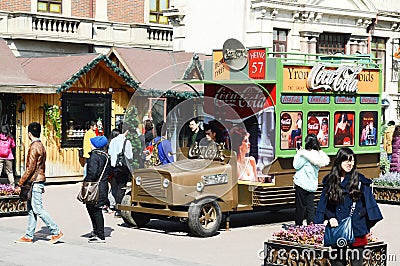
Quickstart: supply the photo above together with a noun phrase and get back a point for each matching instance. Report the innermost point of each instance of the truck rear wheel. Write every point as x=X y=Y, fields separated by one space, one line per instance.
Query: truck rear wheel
x=133 y=218
x=204 y=217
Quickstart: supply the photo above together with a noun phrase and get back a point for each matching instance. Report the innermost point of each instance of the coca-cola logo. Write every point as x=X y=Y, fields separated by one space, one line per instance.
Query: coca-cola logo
x=286 y=122
x=344 y=79
x=250 y=97
x=313 y=125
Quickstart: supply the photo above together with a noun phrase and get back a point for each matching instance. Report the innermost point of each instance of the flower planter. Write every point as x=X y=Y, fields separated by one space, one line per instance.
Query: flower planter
x=12 y=204
x=280 y=252
x=387 y=194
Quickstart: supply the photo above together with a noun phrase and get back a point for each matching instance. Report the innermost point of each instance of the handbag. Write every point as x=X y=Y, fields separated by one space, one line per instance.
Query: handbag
x=26 y=188
x=122 y=162
x=342 y=235
x=90 y=191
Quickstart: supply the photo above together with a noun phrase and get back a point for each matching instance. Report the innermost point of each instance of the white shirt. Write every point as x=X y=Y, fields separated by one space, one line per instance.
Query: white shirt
x=116 y=145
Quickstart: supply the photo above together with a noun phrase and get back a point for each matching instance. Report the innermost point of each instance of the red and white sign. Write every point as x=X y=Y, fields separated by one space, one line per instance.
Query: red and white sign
x=257 y=63
x=237 y=101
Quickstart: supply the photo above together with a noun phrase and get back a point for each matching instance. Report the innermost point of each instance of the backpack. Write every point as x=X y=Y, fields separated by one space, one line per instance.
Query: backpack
x=123 y=164
x=4 y=147
x=151 y=153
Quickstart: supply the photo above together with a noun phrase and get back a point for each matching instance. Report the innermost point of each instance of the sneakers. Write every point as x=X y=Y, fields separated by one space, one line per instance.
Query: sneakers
x=24 y=240
x=56 y=238
x=96 y=240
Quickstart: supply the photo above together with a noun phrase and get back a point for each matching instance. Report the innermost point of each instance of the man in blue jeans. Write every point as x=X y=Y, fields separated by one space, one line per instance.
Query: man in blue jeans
x=35 y=169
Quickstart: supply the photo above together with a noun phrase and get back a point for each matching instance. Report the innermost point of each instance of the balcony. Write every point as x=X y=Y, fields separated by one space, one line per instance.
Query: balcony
x=48 y=27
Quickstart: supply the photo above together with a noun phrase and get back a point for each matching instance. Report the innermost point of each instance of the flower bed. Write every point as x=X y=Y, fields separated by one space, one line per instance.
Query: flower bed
x=386 y=188
x=302 y=245
x=10 y=203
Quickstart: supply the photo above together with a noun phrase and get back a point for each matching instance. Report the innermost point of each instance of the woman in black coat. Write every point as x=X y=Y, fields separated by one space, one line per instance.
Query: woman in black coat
x=342 y=186
x=98 y=167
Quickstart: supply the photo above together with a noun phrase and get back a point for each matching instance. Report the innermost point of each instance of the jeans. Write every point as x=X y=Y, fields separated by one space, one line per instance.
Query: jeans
x=35 y=209
x=9 y=170
x=97 y=219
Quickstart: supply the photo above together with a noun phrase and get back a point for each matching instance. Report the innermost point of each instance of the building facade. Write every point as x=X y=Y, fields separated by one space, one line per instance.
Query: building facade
x=306 y=26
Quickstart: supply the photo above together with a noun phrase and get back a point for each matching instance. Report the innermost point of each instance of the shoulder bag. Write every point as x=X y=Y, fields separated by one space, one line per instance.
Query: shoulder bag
x=342 y=235
x=90 y=191
x=26 y=188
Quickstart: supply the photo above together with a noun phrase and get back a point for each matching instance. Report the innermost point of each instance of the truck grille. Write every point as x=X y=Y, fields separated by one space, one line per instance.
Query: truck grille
x=152 y=186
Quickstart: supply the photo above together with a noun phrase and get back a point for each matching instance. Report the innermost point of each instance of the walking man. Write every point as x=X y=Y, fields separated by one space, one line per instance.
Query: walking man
x=35 y=172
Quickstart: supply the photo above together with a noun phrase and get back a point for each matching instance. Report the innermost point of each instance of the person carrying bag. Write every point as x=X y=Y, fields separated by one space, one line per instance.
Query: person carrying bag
x=97 y=171
x=346 y=189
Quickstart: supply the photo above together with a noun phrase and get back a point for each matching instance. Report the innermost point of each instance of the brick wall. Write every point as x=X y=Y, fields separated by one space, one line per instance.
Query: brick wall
x=127 y=11
x=81 y=8
x=15 y=5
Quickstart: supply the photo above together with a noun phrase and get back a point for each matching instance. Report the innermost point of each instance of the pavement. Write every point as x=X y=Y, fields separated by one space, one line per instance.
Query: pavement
x=159 y=243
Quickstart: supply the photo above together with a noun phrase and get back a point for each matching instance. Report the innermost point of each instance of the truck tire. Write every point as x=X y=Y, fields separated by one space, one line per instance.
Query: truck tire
x=132 y=218
x=204 y=217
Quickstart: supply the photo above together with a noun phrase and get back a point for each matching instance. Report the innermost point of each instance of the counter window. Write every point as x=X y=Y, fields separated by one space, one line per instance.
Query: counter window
x=291 y=129
x=344 y=129
x=318 y=124
x=368 y=128
x=78 y=109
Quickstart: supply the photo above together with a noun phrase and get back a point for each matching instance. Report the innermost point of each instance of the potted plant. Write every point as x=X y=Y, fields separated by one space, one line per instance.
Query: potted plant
x=386 y=188
x=10 y=203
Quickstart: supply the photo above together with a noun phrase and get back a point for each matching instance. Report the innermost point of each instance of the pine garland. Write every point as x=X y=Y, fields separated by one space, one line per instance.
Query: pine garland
x=131 y=123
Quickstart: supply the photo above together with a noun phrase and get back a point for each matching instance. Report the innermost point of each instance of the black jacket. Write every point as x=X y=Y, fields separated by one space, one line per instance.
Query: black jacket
x=200 y=135
x=94 y=168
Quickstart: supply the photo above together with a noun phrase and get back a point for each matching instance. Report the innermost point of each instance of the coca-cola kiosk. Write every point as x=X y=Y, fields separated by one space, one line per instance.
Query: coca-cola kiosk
x=280 y=99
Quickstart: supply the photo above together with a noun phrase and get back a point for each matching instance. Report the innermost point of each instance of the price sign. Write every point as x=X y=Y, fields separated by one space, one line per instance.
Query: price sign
x=257 y=63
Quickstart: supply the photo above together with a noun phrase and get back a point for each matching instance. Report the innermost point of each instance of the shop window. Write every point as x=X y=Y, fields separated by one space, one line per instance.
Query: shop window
x=378 y=50
x=50 y=6
x=291 y=130
x=156 y=11
x=78 y=109
x=332 y=43
x=280 y=41
x=368 y=128
x=318 y=124
x=344 y=129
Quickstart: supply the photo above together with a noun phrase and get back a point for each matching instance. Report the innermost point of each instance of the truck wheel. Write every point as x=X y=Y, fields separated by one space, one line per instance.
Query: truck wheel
x=133 y=218
x=204 y=217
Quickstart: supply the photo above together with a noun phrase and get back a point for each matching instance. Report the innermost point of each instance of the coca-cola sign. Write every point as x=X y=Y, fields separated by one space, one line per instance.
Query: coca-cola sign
x=343 y=79
x=237 y=101
x=313 y=125
x=286 y=122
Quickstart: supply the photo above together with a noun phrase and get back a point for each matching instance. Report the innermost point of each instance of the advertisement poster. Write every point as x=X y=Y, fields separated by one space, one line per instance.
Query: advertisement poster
x=291 y=130
x=368 y=128
x=344 y=129
x=318 y=124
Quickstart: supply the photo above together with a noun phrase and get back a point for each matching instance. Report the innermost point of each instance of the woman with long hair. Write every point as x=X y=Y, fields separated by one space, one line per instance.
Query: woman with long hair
x=7 y=143
x=343 y=186
x=307 y=163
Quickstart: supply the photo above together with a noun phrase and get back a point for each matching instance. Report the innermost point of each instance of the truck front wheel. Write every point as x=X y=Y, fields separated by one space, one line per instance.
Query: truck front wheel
x=133 y=218
x=204 y=217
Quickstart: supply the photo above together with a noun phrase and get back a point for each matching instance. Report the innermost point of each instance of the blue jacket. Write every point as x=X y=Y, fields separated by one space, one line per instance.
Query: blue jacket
x=366 y=213
x=164 y=151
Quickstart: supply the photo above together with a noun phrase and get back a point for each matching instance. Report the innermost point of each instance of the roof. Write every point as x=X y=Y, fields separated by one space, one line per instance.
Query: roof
x=12 y=76
x=57 y=69
x=156 y=70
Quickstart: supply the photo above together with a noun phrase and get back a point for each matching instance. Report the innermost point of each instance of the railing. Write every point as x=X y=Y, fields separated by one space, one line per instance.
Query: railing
x=78 y=30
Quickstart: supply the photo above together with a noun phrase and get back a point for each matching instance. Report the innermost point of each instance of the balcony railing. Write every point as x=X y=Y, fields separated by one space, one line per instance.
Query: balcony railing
x=77 y=30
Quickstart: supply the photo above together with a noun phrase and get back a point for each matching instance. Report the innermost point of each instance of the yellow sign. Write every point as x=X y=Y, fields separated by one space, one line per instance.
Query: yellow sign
x=220 y=69
x=344 y=79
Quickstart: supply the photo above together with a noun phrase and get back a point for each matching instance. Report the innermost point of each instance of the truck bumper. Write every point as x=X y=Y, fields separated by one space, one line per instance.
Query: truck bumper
x=163 y=212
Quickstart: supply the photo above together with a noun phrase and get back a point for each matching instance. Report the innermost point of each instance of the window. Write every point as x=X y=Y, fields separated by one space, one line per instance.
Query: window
x=331 y=43
x=368 y=128
x=50 y=6
x=156 y=11
x=280 y=41
x=291 y=130
x=378 y=50
x=344 y=129
x=78 y=109
x=318 y=124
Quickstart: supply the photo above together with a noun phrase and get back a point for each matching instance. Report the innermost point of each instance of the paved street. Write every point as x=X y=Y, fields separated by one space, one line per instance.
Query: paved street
x=160 y=243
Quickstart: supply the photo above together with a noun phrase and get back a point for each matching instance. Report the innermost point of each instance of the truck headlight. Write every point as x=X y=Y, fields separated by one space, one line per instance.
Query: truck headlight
x=138 y=180
x=199 y=186
x=165 y=183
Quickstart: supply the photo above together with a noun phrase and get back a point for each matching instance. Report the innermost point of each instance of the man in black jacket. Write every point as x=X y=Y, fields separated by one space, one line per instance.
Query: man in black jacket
x=197 y=133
